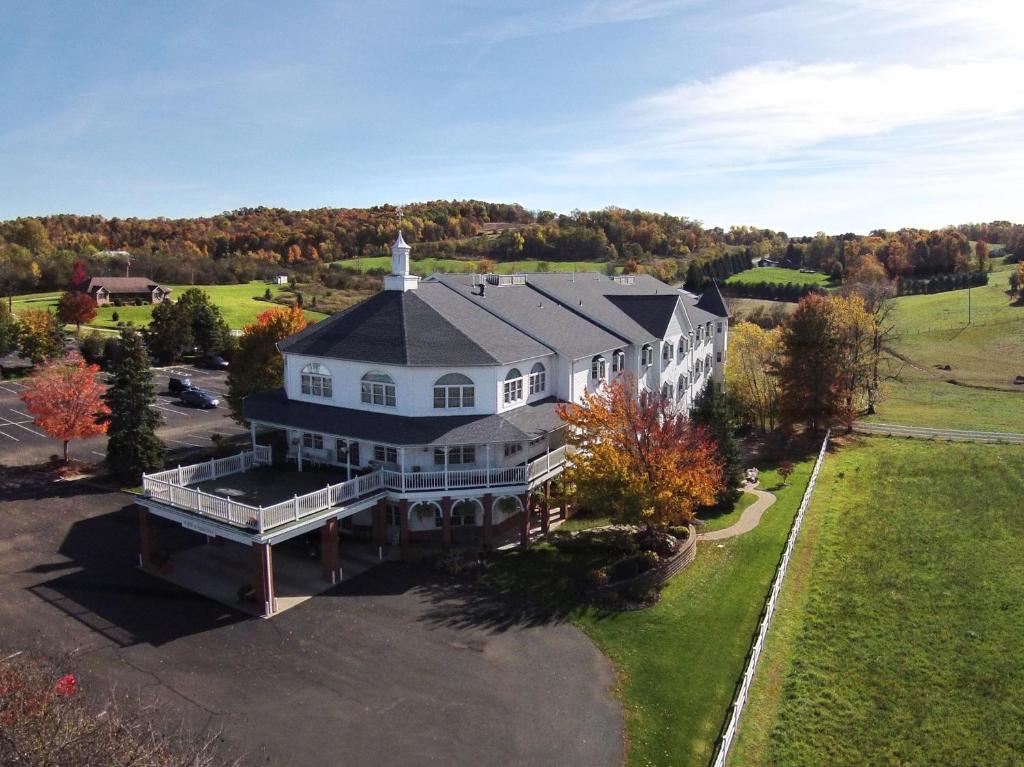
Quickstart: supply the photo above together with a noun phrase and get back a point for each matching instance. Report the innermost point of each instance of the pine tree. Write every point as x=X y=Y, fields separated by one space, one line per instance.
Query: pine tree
x=133 y=446
x=715 y=411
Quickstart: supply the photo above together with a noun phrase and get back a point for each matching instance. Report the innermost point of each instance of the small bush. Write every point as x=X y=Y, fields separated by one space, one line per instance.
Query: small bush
x=598 y=578
x=680 y=532
x=115 y=316
x=650 y=560
x=625 y=569
x=118 y=302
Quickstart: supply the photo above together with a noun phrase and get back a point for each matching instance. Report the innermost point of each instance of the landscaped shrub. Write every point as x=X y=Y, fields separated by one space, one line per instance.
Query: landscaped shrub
x=650 y=559
x=679 y=532
x=598 y=578
x=661 y=543
x=627 y=568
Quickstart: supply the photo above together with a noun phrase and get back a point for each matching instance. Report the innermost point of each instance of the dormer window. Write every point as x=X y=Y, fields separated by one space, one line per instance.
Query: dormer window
x=538 y=379
x=681 y=387
x=454 y=390
x=377 y=389
x=667 y=352
x=316 y=381
x=513 y=386
x=646 y=355
x=618 y=361
x=598 y=368
x=666 y=391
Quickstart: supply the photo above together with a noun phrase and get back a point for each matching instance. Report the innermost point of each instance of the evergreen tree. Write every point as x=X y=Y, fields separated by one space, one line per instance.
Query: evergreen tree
x=694 y=279
x=133 y=446
x=168 y=336
x=717 y=413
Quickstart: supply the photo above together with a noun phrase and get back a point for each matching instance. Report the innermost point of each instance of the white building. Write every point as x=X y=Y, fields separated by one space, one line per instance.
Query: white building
x=433 y=403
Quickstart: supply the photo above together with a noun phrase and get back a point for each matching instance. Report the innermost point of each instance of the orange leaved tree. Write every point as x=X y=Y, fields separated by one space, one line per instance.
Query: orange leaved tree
x=638 y=459
x=67 y=401
x=257 y=365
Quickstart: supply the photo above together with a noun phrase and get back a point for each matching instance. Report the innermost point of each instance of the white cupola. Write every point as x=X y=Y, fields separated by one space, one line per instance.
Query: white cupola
x=400 y=278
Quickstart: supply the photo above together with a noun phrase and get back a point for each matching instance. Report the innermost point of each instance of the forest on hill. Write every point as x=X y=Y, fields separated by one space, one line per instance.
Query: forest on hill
x=38 y=253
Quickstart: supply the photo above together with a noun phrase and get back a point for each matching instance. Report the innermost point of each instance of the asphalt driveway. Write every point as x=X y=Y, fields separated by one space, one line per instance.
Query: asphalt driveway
x=390 y=668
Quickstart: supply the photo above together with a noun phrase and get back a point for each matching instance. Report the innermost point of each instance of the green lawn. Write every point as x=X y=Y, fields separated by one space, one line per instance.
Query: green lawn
x=238 y=303
x=678 y=661
x=427 y=266
x=780 y=275
x=731 y=517
x=897 y=640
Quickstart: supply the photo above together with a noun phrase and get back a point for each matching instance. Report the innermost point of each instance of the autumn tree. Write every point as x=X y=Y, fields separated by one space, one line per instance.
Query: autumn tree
x=981 y=255
x=76 y=309
x=754 y=353
x=67 y=401
x=810 y=369
x=257 y=364
x=39 y=336
x=638 y=459
x=855 y=326
x=785 y=470
x=8 y=330
x=133 y=446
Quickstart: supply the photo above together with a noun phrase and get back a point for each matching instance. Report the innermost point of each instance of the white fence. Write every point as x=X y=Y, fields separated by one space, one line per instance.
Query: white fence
x=736 y=710
x=948 y=435
x=171 y=487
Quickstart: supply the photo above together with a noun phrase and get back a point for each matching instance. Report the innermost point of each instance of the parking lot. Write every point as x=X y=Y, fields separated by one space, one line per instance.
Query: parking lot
x=184 y=428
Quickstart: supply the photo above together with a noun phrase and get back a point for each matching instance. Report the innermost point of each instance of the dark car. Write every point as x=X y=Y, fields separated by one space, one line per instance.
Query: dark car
x=180 y=384
x=215 y=362
x=198 y=398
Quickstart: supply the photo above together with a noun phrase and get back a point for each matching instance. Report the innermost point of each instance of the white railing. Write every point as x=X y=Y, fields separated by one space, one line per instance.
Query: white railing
x=736 y=710
x=171 y=487
x=948 y=435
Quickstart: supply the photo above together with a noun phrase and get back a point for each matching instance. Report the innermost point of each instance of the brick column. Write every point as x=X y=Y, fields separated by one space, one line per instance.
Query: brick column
x=446 y=525
x=488 y=504
x=380 y=523
x=147 y=539
x=329 y=550
x=265 y=577
x=545 y=509
x=403 y=522
x=524 y=535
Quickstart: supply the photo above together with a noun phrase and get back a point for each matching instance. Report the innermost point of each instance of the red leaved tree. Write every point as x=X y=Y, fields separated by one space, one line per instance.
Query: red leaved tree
x=67 y=401
x=639 y=459
x=76 y=309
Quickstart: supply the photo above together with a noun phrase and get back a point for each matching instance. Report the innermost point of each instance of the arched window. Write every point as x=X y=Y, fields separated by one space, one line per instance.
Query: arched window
x=667 y=352
x=454 y=390
x=316 y=381
x=538 y=379
x=666 y=391
x=646 y=355
x=378 y=389
x=598 y=368
x=618 y=361
x=513 y=388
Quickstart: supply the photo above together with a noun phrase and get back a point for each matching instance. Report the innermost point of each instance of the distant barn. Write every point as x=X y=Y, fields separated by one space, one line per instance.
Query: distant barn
x=129 y=290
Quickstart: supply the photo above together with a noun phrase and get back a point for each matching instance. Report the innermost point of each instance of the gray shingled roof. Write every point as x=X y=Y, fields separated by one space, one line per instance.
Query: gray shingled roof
x=122 y=284
x=519 y=425
x=536 y=314
x=427 y=326
x=711 y=301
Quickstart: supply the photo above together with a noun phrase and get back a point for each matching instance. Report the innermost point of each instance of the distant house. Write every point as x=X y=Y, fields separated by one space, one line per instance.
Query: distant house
x=281 y=279
x=766 y=262
x=107 y=290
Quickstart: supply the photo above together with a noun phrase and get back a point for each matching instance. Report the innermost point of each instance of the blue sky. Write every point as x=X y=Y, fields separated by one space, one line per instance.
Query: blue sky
x=800 y=115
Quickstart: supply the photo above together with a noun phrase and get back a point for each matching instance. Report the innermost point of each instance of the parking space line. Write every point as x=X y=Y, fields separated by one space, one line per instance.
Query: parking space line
x=9 y=422
x=172 y=410
x=101 y=455
x=9 y=391
x=9 y=436
x=180 y=442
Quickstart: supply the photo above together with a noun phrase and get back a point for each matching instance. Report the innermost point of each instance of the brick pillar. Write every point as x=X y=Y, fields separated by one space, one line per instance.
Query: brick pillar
x=545 y=509
x=380 y=523
x=488 y=504
x=524 y=536
x=446 y=525
x=265 y=577
x=329 y=550
x=147 y=539
x=403 y=522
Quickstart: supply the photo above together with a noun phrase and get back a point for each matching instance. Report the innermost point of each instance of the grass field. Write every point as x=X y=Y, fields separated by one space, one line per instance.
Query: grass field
x=239 y=304
x=427 y=266
x=780 y=275
x=678 y=661
x=897 y=640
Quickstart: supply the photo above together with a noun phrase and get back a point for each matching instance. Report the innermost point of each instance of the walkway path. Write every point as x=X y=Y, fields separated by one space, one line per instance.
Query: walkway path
x=748 y=520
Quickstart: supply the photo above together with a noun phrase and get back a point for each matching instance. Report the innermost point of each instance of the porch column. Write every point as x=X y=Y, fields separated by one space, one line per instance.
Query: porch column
x=252 y=435
x=147 y=539
x=524 y=538
x=348 y=460
x=403 y=522
x=265 y=577
x=329 y=550
x=300 y=452
x=488 y=504
x=446 y=523
x=380 y=523
x=545 y=508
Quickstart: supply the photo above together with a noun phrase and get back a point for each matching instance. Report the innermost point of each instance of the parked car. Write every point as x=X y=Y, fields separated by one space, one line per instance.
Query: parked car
x=198 y=398
x=179 y=384
x=216 y=362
